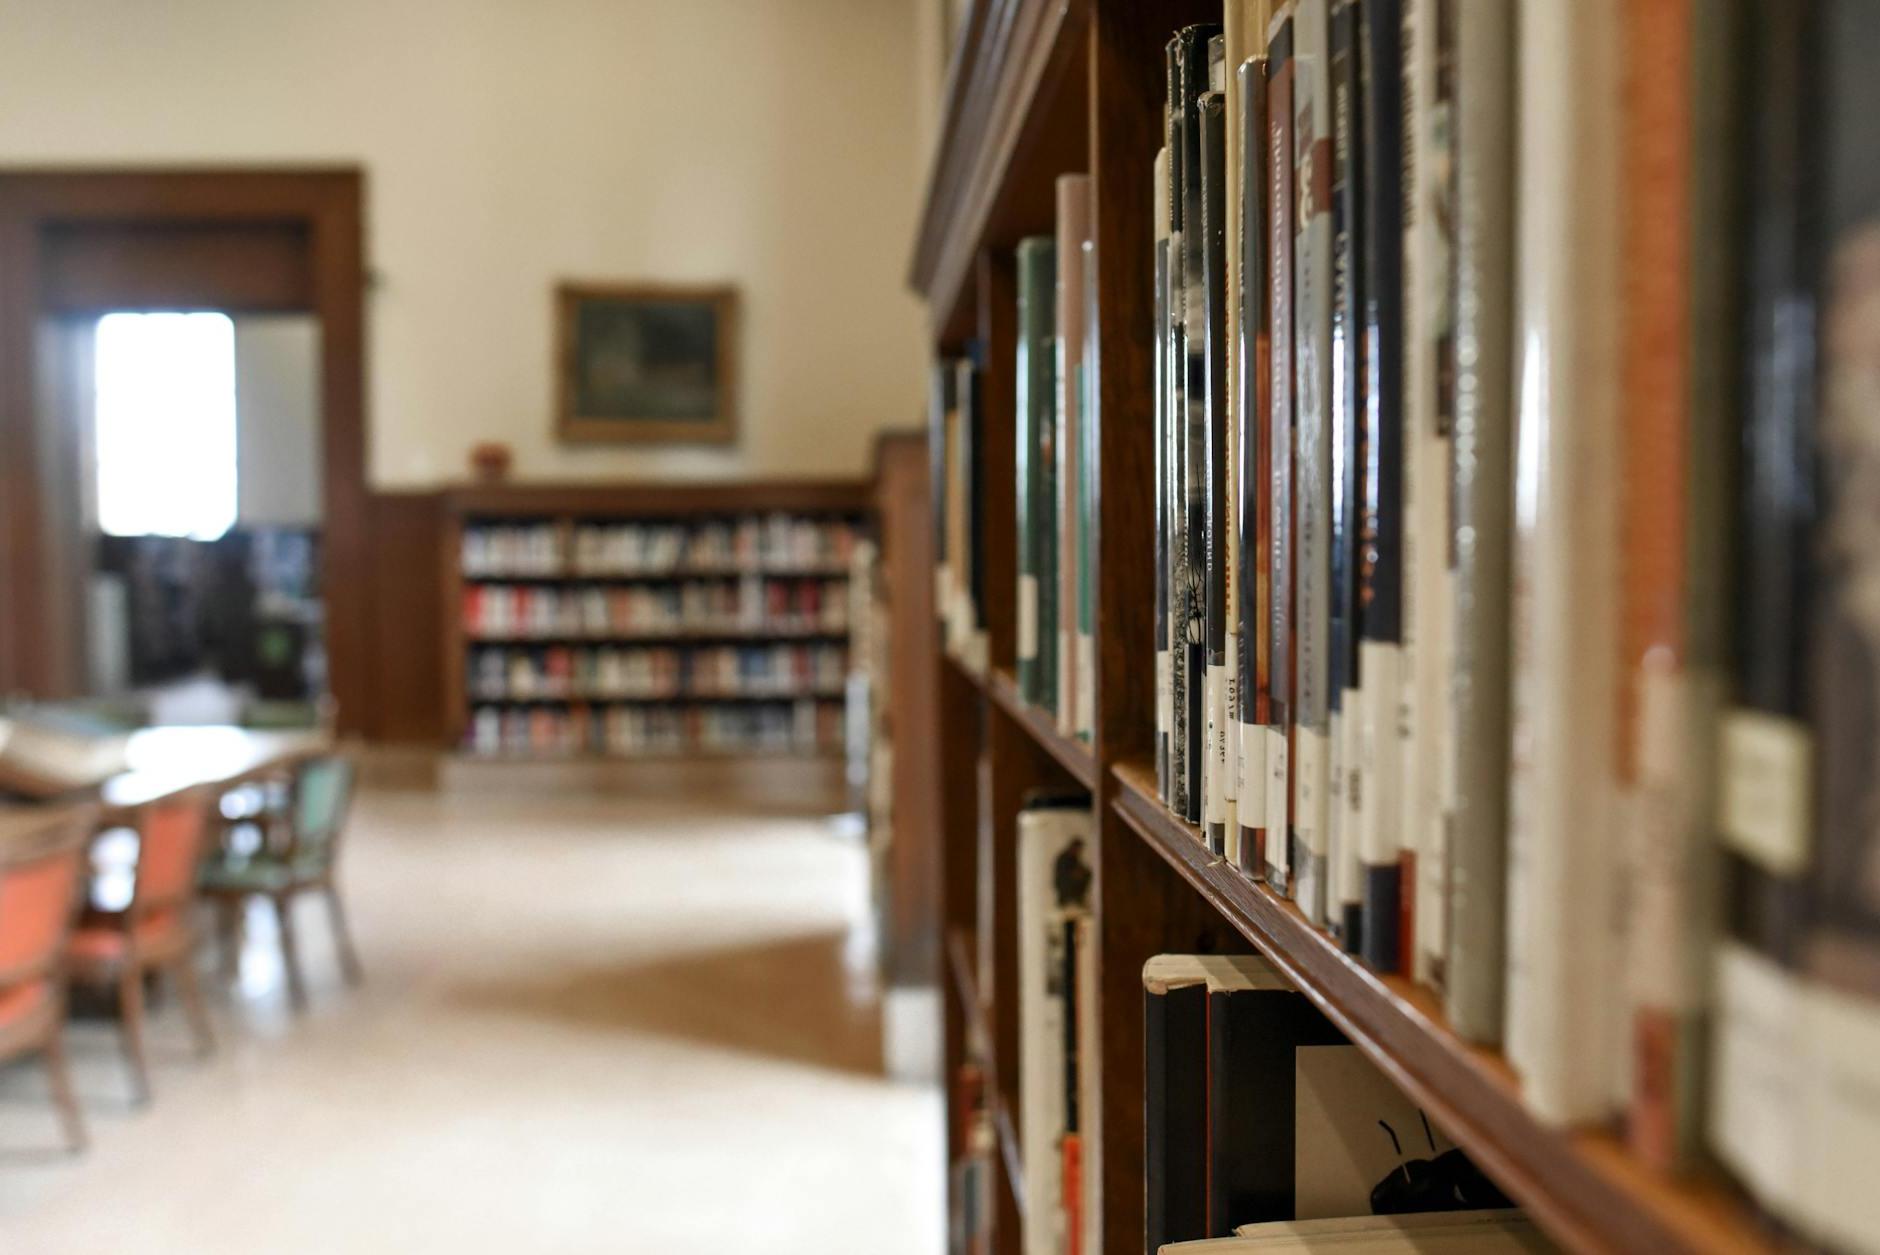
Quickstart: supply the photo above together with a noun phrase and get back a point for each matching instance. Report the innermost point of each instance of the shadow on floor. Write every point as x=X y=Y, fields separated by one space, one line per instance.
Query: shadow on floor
x=793 y=999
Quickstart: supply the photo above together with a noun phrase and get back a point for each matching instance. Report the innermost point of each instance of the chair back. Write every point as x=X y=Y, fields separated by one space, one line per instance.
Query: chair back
x=170 y=836
x=323 y=790
x=38 y=898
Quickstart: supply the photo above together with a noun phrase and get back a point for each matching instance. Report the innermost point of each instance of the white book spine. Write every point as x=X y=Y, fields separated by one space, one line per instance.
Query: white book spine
x=1308 y=821
x=1379 y=811
x=1278 y=800
x=1214 y=766
x=1565 y=932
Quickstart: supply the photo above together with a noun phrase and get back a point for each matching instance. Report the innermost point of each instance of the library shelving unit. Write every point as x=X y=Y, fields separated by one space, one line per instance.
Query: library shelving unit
x=1039 y=88
x=568 y=605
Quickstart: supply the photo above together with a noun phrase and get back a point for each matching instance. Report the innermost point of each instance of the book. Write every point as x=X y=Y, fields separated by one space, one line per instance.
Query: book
x=1281 y=412
x=972 y=506
x=1087 y=464
x=1073 y=226
x=1312 y=330
x=1037 y=471
x=1054 y=877
x=1346 y=433
x=1220 y=1114
x=1488 y=1232
x=1164 y=530
x=1184 y=683
x=942 y=414
x=1212 y=115
x=1483 y=469
x=1253 y=445
x=1564 y=943
x=1380 y=815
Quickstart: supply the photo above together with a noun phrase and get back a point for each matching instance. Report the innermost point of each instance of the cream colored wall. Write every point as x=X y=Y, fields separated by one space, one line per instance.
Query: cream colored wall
x=277 y=420
x=511 y=143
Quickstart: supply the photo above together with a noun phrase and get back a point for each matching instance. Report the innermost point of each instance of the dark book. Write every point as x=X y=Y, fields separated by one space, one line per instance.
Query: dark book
x=972 y=436
x=1380 y=566
x=1175 y=349
x=1212 y=113
x=941 y=406
x=1164 y=530
x=1175 y=1111
x=1253 y=448
x=1037 y=471
x=1347 y=433
x=1279 y=97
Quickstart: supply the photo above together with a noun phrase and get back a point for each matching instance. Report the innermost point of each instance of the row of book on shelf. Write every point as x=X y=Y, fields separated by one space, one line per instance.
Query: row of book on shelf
x=557 y=548
x=563 y=672
x=751 y=604
x=1257 y=1111
x=1516 y=406
x=801 y=726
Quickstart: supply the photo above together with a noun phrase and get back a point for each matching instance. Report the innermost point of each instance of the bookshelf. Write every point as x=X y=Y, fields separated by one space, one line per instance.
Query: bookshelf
x=1039 y=88
x=649 y=621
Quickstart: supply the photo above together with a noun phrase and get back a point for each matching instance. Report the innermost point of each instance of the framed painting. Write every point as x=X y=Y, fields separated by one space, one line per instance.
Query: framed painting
x=645 y=363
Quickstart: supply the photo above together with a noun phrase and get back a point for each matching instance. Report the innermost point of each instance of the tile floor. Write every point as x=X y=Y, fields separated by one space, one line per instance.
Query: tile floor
x=588 y=1025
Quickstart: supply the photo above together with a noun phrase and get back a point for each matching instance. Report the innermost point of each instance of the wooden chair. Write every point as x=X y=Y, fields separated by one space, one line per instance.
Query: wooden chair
x=154 y=932
x=38 y=890
x=299 y=856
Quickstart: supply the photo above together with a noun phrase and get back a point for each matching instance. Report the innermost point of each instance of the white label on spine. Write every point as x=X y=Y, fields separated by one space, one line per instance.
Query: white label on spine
x=1309 y=788
x=1659 y=810
x=1250 y=789
x=1757 y=1079
x=1164 y=691
x=1214 y=769
x=1767 y=770
x=1841 y=1112
x=1380 y=810
x=1027 y=617
x=1277 y=796
x=942 y=587
x=1230 y=728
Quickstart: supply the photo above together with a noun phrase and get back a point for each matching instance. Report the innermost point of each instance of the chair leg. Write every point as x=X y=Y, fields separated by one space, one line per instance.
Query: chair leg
x=342 y=937
x=228 y=932
x=290 y=951
x=131 y=1027
x=64 y=1097
x=190 y=990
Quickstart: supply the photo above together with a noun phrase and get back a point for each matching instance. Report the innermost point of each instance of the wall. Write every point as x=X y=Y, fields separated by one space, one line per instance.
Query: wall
x=277 y=399
x=507 y=145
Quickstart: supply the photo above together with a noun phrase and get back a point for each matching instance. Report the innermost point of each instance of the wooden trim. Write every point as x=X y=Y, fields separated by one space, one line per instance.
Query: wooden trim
x=573 y=428
x=647 y=498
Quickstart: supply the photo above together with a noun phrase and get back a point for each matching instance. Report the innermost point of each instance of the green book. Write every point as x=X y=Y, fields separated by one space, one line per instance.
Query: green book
x=1036 y=415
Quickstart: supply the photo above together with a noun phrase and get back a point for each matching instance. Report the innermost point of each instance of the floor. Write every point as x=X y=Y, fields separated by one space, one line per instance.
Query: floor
x=587 y=1026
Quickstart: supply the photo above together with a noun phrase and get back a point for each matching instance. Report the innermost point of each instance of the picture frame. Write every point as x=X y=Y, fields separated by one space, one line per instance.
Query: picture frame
x=646 y=363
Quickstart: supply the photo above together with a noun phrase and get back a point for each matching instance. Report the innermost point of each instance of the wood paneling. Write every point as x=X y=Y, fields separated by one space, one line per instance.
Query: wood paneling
x=239 y=267
x=408 y=607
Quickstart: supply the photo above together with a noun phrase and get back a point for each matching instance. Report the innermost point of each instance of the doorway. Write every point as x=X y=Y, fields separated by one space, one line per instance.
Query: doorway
x=276 y=255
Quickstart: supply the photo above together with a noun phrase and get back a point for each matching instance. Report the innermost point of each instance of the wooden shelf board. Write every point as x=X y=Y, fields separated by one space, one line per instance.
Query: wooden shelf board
x=1583 y=1186
x=676 y=637
x=667 y=699
x=829 y=571
x=1072 y=754
x=650 y=756
x=646 y=500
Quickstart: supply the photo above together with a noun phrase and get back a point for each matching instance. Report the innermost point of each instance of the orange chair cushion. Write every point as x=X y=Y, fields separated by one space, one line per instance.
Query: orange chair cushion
x=109 y=943
x=19 y=1001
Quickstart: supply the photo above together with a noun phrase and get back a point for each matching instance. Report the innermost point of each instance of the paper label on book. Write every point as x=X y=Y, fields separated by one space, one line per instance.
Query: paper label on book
x=1767 y=771
x=1278 y=795
x=1386 y=824
x=1309 y=782
x=1660 y=811
x=1164 y=690
x=1027 y=617
x=1250 y=790
x=1214 y=765
x=942 y=586
x=1087 y=684
x=1230 y=723
x=1757 y=1077
x=1837 y=1201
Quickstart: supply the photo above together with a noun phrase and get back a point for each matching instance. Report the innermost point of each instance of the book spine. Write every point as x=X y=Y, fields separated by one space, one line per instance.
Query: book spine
x=1312 y=332
x=1086 y=501
x=1346 y=435
x=1767 y=747
x=1073 y=224
x=1380 y=564
x=1212 y=116
x=1253 y=416
x=972 y=441
x=1280 y=200
x=1565 y=935
x=1037 y=271
x=1483 y=454
x=1234 y=53
x=940 y=405
x=1163 y=697
x=1181 y=677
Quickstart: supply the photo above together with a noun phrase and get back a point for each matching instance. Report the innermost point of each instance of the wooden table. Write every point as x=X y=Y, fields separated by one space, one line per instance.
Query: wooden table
x=163 y=762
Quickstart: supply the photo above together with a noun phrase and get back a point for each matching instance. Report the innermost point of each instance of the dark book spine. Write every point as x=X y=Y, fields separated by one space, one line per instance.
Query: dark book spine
x=1037 y=282
x=1256 y=458
x=972 y=433
x=1280 y=442
x=1212 y=114
x=940 y=403
x=1160 y=357
x=1192 y=62
x=1175 y=1151
x=1347 y=441
x=1380 y=568
x=1175 y=349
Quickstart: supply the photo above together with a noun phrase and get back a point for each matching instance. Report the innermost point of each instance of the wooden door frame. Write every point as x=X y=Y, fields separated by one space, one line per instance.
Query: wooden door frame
x=328 y=203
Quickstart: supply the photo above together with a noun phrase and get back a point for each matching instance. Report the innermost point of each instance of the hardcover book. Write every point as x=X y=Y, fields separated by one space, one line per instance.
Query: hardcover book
x=1212 y=114
x=1164 y=531
x=1253 y=447
x=1281 y=424
x=1037 y=471
x=1073 y=226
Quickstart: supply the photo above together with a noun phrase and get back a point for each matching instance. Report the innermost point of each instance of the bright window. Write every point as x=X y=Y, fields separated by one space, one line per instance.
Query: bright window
x=166 y=424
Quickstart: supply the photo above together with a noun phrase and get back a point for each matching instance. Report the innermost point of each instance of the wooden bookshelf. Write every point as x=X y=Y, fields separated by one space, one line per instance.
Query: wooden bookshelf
x=560 y=510
x=1040 y=88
